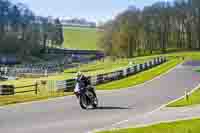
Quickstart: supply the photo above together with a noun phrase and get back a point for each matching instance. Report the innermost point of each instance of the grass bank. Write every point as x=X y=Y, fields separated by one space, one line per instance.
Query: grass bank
x=193 y=99
x=186 y=126
x=81 y=38
x=140 y=77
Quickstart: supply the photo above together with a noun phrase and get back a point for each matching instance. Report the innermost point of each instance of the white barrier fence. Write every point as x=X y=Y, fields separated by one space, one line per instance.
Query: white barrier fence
x=68 y=85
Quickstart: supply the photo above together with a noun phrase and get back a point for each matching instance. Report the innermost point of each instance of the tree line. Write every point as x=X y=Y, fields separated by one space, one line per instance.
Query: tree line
x=25 y=34
x=158 y=28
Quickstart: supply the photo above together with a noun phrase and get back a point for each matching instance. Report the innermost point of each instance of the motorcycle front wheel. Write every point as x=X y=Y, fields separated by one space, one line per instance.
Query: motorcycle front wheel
x=83 y=100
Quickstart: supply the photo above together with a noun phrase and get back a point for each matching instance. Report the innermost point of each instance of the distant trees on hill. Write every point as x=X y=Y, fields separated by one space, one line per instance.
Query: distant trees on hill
x=78 y=22
x=23 y=33
x=157 y=28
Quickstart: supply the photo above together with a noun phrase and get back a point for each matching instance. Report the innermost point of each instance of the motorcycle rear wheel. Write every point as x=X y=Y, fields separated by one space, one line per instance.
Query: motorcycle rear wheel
x=95 y=100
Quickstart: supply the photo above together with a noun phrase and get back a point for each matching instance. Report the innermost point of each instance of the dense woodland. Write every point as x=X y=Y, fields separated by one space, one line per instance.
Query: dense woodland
x=24 y=34
x=161 y=27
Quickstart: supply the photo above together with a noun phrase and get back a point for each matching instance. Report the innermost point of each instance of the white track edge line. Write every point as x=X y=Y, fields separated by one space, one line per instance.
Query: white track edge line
x=149 y=113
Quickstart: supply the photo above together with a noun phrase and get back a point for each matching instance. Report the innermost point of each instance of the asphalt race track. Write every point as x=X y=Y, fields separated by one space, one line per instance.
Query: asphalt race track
x=64 y=115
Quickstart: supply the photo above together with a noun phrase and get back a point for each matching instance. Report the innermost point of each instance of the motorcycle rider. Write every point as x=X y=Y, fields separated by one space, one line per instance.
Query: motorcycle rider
x=83 y=83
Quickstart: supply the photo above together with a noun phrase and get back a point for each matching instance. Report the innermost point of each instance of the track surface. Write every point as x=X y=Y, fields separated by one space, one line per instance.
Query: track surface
x=65 y=116
x=161 y=116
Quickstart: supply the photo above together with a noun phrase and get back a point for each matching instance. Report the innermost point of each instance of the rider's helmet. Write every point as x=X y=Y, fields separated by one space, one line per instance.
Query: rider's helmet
x=78 y=74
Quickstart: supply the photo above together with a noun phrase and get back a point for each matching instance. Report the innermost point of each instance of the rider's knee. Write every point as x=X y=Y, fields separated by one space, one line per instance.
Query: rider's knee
x=77 y=94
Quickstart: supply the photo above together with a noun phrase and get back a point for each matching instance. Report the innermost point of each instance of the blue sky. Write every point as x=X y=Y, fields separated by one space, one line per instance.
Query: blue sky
x=94 y=10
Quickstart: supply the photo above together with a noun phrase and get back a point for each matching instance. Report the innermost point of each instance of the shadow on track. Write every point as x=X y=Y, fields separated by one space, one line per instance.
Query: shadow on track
x=111 y=108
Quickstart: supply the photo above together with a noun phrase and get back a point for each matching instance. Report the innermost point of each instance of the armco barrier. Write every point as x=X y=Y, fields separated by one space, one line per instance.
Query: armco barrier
x=135 y=70
x=61 y=85
x=125 y=72
x=68 y=85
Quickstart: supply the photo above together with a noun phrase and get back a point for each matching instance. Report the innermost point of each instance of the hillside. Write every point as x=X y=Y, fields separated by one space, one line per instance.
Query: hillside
x=81 y=38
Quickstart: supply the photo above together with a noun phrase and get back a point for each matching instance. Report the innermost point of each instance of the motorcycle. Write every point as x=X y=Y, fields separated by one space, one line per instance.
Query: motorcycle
x=87 y=97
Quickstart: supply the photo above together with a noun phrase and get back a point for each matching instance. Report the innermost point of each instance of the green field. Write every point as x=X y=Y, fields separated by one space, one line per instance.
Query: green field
x=186 y=126
x=192 y=55
x=81 y=38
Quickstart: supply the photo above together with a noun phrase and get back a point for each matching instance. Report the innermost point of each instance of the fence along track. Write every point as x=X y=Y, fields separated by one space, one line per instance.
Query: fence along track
x=68 y=85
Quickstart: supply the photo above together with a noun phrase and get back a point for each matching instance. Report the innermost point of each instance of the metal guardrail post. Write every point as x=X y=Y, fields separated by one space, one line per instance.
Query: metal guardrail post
x=155 y=61
x=36 y=88
x=146 y=66
x=135 y=69
x=150 y=64
x=141 y=67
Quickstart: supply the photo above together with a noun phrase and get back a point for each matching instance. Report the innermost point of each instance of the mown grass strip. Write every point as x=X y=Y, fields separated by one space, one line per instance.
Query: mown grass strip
x=186 y=126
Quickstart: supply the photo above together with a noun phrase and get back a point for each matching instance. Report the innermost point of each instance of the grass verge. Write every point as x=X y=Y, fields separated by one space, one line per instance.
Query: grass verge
x=193 y=99
x=186 y=126
x=8 y=100
x=141 y=77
